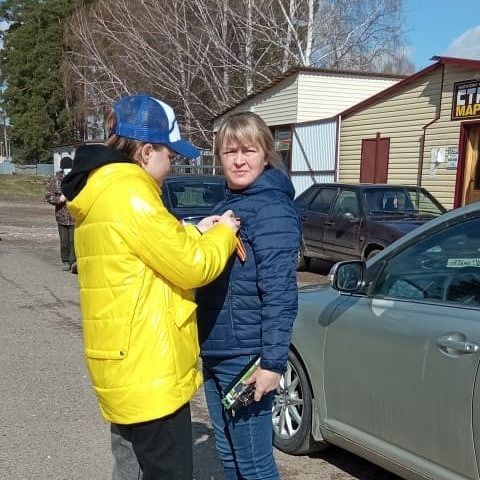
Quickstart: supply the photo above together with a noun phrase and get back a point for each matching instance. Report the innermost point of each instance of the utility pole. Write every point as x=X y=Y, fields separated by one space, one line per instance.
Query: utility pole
x=5 y=135
x=5 y=151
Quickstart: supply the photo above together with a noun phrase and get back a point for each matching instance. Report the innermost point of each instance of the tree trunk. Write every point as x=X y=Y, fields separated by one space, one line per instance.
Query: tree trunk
x=249 y=49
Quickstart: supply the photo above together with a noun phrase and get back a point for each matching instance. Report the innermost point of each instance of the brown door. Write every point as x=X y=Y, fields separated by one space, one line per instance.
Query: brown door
x=374 y=160
x=471 y=181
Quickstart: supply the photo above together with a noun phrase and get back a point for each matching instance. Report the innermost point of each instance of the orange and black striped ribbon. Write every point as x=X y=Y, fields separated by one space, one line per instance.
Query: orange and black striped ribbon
x=240 y=249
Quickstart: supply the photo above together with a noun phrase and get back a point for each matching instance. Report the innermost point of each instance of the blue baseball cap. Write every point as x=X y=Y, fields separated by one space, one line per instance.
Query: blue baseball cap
x=147 y=119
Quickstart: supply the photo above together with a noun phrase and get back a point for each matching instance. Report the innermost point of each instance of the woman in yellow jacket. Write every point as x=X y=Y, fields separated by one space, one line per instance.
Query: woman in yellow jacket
x=137 y=266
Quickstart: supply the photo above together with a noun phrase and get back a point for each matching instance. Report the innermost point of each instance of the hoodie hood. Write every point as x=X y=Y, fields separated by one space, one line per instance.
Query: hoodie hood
x=88 y=158
x=270 y=179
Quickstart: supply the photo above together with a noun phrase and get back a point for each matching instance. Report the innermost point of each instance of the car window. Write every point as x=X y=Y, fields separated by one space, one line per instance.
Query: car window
x=398 y=200
x=423 y=203
x=347 y=203
x=444 y=267
x=323 y=201
x=304 y=198
x=195 y=195
x=387 y=200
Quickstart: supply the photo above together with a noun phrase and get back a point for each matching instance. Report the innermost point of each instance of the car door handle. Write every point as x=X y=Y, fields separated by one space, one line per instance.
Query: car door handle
x=448 y=343
x=303 y=218
x=329 y=224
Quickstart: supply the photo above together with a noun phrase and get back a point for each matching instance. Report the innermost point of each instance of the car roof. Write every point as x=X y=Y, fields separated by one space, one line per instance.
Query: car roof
x=365 y=185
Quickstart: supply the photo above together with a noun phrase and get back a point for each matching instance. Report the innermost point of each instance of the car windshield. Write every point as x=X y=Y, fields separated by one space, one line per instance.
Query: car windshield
x=201 y=195
x=400 y=201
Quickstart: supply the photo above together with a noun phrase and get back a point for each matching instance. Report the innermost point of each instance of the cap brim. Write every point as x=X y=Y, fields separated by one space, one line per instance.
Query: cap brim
x=184 y=148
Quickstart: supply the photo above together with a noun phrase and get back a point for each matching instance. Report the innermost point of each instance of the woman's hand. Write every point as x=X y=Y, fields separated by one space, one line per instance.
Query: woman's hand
x=207 y=223
x=265 y=381
x=228 y=218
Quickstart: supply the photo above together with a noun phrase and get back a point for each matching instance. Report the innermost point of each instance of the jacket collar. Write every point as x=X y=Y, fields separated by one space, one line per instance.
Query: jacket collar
x=88 y=158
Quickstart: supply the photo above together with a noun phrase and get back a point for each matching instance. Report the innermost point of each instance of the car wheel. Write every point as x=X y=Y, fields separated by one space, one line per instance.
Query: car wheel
x=292 y=411
x=303 y=262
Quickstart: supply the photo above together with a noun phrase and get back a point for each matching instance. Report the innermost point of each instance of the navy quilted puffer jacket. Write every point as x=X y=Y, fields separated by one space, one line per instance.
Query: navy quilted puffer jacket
x=251 y=307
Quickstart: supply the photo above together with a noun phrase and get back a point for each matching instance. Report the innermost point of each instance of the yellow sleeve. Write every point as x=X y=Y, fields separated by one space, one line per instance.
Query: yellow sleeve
x=193 y=231
x=185 y=258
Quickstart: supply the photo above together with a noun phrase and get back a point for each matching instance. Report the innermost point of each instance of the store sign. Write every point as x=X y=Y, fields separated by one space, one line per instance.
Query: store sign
x=466 y=99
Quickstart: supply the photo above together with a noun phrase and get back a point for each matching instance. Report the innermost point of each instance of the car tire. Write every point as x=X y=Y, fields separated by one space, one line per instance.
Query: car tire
x=303 y=262
x=292 y=411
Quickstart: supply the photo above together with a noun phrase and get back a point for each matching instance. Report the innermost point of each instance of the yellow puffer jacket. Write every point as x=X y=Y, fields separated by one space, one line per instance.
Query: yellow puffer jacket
x=136 y=268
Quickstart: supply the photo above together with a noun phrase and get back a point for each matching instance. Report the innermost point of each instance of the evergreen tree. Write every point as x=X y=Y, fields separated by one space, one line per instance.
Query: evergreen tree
x=32 y=67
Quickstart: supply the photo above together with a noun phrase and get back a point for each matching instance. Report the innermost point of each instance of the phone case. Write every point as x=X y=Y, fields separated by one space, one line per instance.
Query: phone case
x=238 y=394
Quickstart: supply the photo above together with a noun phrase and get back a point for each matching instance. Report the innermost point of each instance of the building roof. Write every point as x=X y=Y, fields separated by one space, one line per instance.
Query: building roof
x=390 y=91
x=297 y=70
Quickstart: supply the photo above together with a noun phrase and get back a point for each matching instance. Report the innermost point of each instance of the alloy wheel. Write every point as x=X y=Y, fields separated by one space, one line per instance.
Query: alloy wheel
x=287 y=409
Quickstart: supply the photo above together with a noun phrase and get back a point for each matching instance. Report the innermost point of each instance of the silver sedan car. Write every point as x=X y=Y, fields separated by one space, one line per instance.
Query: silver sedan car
x=385 y=362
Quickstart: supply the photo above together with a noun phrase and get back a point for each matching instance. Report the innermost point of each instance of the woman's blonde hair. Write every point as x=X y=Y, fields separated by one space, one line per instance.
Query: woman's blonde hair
x=248 y=128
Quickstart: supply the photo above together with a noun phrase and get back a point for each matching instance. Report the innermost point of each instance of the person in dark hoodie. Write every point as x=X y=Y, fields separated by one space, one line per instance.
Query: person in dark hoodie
x=137 y=266
x=249 y=310
x=65 y=222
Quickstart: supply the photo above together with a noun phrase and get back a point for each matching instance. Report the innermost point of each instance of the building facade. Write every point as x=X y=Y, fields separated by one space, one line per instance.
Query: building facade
x=423 y=131
x=301 y=108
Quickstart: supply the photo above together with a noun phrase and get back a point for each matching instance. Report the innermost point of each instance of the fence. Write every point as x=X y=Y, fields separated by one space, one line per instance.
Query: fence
x=45 y=169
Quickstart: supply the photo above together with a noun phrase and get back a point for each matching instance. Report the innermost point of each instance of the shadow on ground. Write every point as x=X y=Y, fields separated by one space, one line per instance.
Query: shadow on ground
x=355 y=466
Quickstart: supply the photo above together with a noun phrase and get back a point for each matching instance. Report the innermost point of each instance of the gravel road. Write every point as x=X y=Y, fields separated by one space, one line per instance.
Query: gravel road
x=51 y=428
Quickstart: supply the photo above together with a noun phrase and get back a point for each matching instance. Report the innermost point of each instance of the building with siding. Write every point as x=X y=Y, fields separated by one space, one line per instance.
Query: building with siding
x=301 y=108
x=424 y=130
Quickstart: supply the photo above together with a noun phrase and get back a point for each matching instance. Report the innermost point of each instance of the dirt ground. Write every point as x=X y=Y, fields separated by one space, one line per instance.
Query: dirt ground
x=51 y=427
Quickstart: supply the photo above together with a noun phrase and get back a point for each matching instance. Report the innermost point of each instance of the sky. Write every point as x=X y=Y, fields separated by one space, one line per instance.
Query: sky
x=449 y=28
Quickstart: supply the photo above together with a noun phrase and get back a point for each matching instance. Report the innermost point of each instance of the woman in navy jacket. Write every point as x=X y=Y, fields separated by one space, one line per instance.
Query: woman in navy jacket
x=249 y=310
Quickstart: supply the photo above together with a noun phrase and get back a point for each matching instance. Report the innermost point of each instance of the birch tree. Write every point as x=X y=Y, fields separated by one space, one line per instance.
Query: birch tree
x=203 y=56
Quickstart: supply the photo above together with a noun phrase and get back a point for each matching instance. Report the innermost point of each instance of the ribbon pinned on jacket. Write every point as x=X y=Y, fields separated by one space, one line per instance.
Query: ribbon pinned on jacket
x=240 y=250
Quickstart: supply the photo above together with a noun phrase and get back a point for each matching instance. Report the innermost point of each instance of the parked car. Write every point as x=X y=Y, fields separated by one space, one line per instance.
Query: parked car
x=356 y=221
x=192 y=197
x=385 y=362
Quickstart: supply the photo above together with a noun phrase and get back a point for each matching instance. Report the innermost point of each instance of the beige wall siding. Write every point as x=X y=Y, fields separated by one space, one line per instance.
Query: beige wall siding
x=307 y=96
x=276 y=106
x=326 y=95
x=402 y=118
x=444 y=133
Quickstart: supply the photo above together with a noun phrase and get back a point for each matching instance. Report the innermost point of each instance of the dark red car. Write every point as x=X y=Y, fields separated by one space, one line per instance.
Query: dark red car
x=356 y=221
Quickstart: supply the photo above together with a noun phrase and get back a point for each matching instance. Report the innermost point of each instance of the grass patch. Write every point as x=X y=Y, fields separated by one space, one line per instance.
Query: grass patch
x=22 y=188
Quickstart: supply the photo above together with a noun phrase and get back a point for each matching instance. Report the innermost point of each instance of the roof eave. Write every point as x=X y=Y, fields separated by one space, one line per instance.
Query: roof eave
x=439 y=60
x=462 y=62
x=298 y=70
x=388 y=91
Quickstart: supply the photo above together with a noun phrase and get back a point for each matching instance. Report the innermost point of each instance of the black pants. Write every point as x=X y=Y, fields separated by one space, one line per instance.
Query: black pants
x=67 y=251
x=163 y=447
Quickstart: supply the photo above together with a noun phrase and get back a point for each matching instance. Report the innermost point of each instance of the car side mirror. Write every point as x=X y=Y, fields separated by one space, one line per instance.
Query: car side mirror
x=348 y=277
x=349 y=216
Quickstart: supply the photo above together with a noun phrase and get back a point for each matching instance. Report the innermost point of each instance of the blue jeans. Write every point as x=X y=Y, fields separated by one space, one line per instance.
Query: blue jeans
x=244 y=441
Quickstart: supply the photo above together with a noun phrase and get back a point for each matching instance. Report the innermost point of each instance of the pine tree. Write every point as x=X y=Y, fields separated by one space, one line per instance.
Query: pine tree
x=32 y=68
